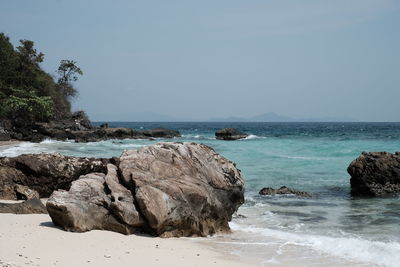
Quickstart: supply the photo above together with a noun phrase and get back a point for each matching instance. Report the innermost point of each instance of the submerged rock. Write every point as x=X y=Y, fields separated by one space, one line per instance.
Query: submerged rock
x=283 y=191
x=230 y=134
x=375 y=174
x=167 y=189
x=43 y=173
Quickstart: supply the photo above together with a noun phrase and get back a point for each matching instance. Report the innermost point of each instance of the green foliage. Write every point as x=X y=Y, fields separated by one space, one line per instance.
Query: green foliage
x=26 y=91
x=29 y=106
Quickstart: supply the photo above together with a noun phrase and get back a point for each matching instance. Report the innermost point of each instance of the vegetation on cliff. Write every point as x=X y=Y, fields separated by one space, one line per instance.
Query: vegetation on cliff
x=27 y=92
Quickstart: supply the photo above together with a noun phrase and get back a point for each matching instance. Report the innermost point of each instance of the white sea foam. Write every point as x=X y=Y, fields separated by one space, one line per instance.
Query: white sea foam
x=303 y=158
x=51 y=141
x=18 y=150
x=253 y=136
x=350 y=248
x=197 y=136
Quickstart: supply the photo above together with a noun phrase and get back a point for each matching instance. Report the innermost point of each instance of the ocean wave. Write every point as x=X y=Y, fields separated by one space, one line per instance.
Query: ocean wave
x=347 y=247
x=303 y=158
x=197 y=136
x=23 y=148
x=253 y=136
x=51 y=141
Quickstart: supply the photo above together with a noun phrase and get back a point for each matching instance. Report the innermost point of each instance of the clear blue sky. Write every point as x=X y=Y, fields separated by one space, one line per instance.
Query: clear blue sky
x=204 y=59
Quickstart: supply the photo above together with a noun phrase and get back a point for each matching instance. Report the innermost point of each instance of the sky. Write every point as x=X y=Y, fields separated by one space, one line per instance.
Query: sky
x=213 y=59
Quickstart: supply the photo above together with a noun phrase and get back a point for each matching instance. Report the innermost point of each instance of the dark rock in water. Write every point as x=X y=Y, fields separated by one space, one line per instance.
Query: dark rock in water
x=161 y=133
x=78 y=128
x=43 y=173
x=167 y=189
x=230 y=134
x=31 y=206
x=375 y=174
x=283 y=191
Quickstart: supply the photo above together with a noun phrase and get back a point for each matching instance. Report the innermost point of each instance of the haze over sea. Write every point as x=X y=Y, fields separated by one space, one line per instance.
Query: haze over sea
x=332 y=228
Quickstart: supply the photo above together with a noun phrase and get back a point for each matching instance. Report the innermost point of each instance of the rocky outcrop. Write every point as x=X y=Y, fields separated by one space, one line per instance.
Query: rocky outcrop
x=229 y=134
x=283 y=191
x=77 y=128
x=31 y=206
x=161 y=133
x=375 y=174
x=21 y=176
x=167 y=189
x=104 y=133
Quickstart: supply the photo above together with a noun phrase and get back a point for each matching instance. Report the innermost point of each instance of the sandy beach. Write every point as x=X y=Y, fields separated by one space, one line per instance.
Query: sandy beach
x=33 y=240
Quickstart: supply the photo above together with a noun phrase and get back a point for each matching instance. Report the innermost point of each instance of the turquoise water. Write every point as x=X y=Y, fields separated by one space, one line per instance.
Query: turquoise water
x=331 y=228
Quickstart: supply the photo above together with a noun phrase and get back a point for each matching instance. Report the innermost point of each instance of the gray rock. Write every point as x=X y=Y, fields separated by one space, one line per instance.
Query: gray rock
x=167 y=189
x=230 y=134
x=89 y=205
x=375 y=174
x=283 y=191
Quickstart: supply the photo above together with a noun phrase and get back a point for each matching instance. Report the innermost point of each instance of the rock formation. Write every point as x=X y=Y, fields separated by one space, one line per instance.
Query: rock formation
x=230 y=134
x=78 y=129
x=21 y=176
x=283 y=191
x=167 y=189
x=31 y=206
x=375 y=174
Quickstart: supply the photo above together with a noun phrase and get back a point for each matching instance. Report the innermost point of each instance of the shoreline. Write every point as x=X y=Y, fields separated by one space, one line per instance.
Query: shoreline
x=34 y=240
x=10 y=143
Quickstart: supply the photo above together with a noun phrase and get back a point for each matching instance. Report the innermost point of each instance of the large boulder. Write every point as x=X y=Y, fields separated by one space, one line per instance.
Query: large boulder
x=167 y=189
x=375 y=174
x=43 y=173
x=229 y=134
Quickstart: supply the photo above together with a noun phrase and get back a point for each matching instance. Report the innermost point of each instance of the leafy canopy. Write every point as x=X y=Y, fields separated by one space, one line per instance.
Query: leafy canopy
x=29 y=93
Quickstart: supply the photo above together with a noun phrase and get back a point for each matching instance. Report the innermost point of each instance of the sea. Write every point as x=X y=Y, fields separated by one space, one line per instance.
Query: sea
x=330 y=229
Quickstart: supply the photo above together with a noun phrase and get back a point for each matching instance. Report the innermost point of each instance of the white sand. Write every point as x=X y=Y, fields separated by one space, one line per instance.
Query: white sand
x=32 y=240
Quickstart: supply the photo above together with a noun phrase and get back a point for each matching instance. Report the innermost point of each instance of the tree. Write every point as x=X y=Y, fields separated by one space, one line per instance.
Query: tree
x=28 y=53
x=68 y=72
x=27 y=105
x=29 y=61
